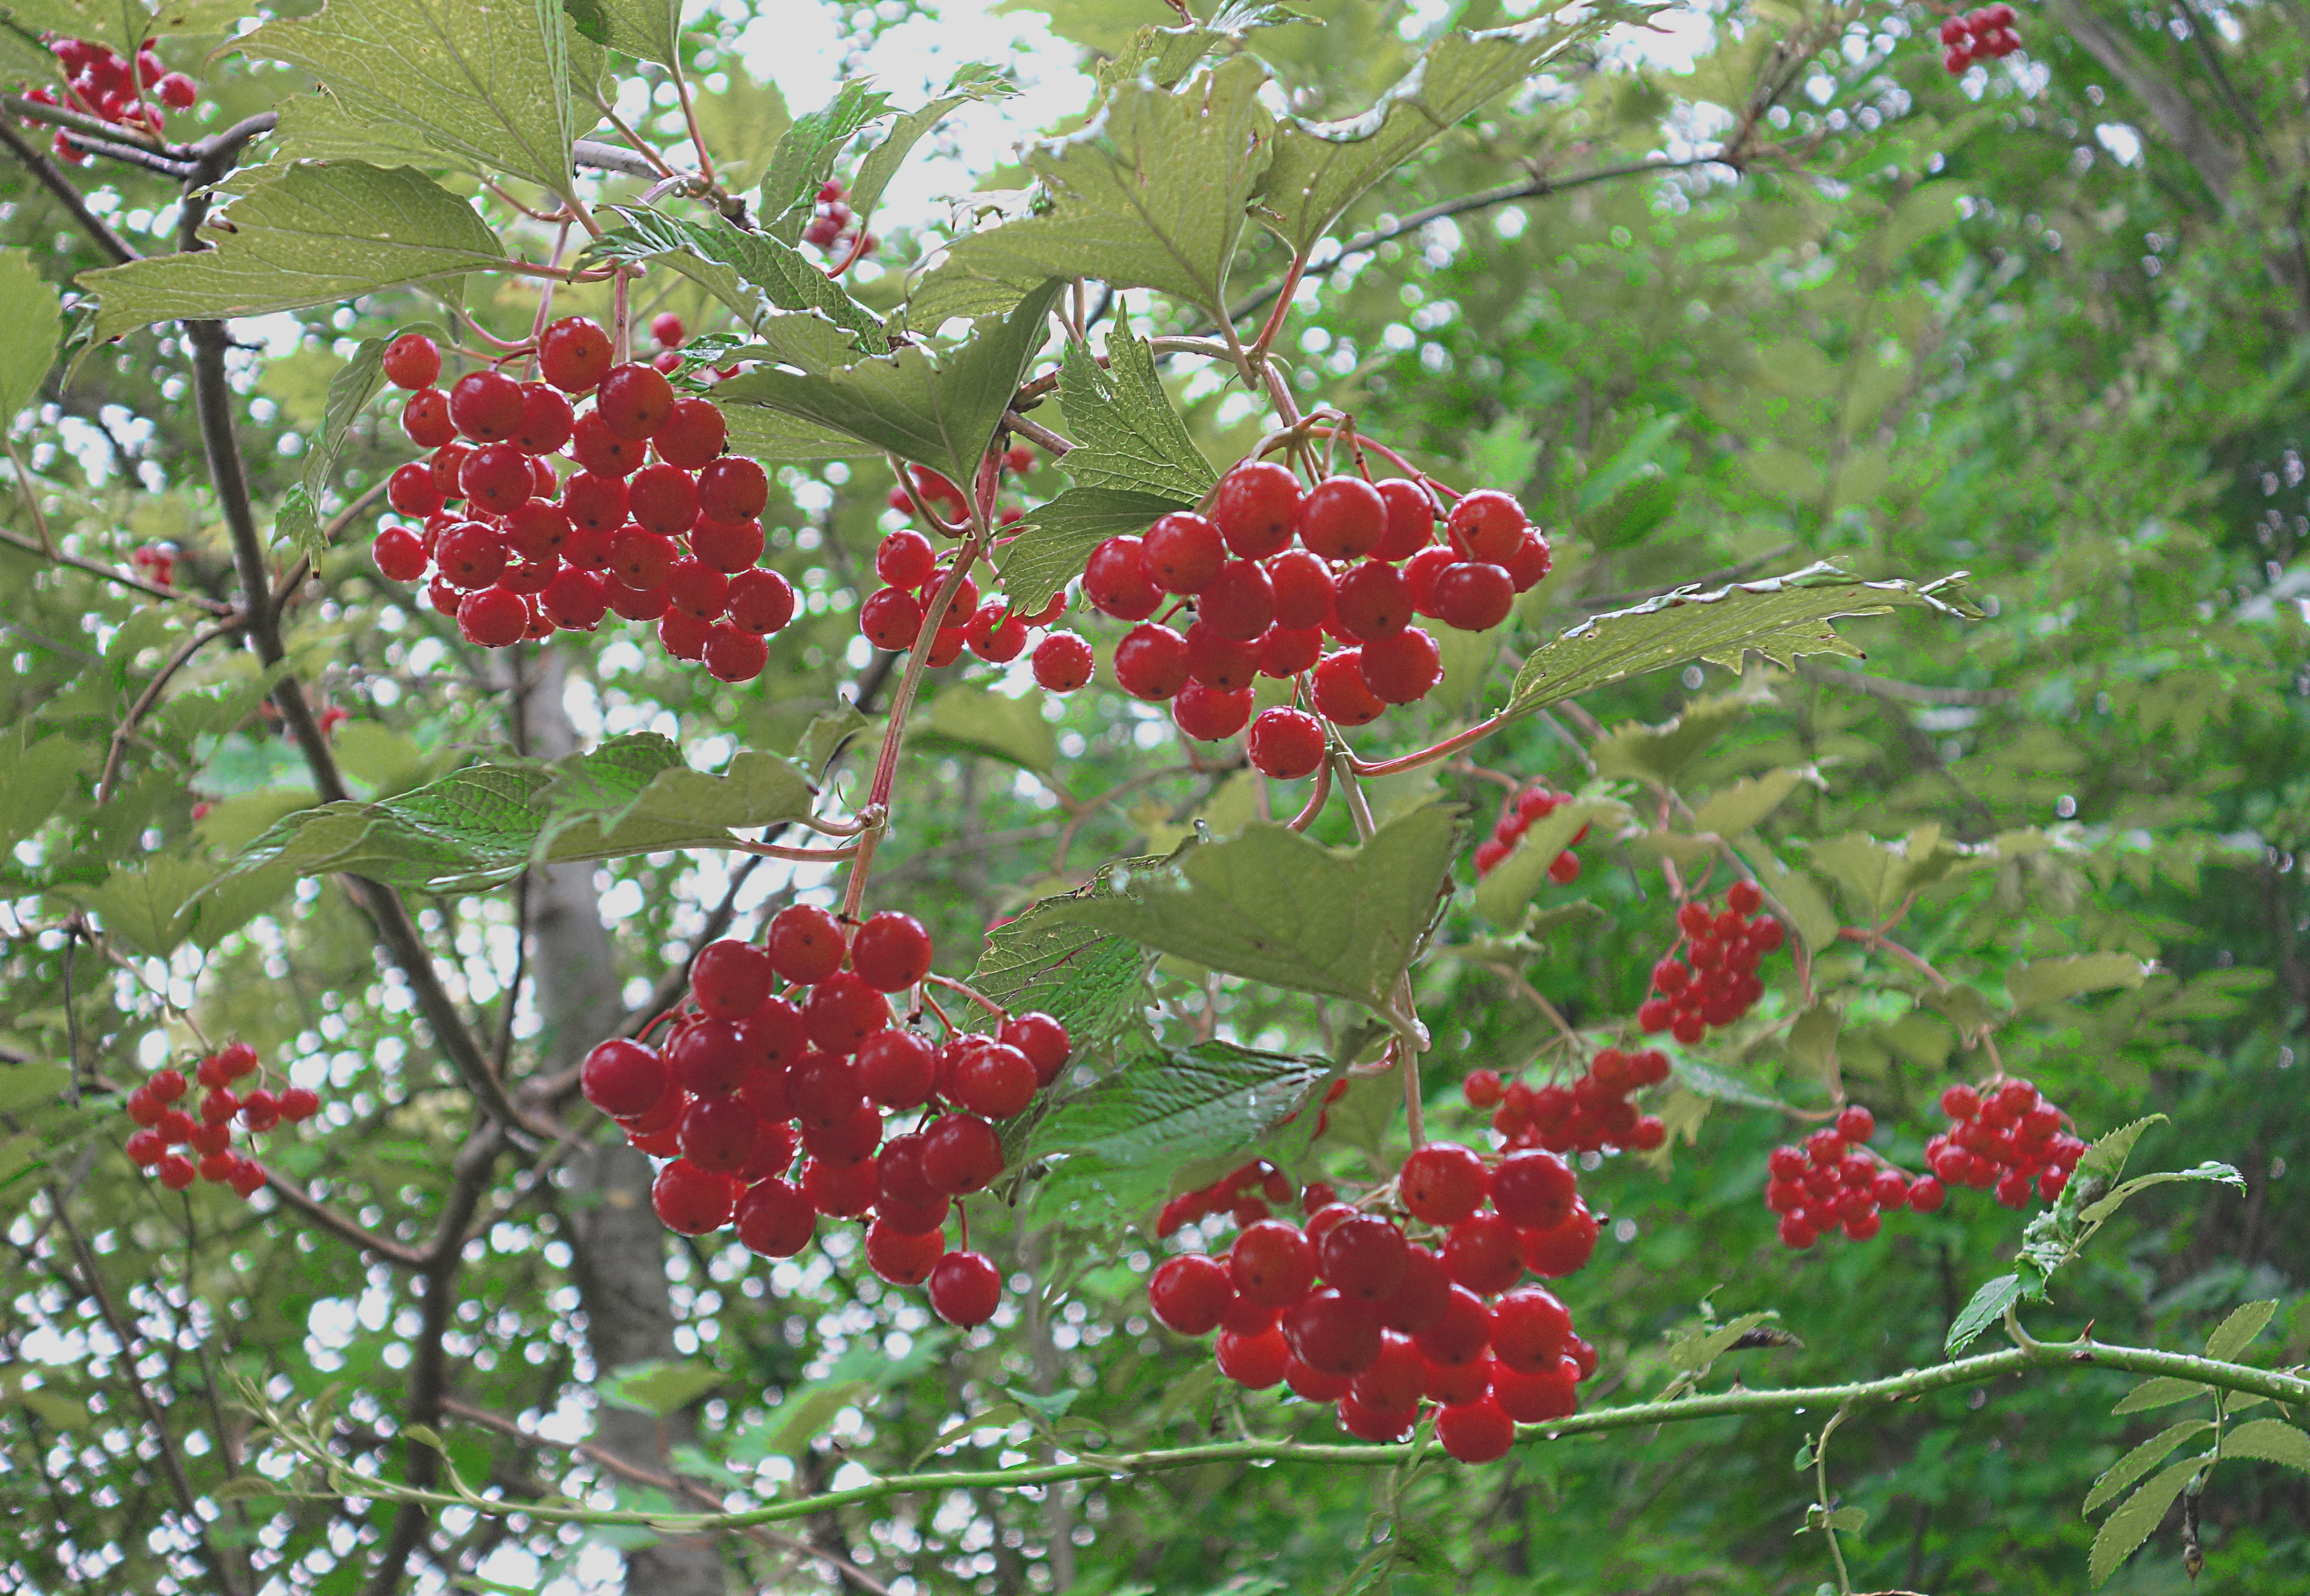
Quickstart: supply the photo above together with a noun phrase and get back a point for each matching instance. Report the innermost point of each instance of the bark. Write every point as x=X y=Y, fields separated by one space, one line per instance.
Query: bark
x=618 y=1244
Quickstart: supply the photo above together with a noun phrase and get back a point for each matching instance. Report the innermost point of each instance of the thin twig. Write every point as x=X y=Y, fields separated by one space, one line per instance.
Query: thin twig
x=120 y=579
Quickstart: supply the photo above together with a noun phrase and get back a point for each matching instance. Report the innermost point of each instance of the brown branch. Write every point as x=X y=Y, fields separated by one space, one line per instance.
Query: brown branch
x=53 y=180
x=293 y=1195
x=149 y=697
x=200 y=600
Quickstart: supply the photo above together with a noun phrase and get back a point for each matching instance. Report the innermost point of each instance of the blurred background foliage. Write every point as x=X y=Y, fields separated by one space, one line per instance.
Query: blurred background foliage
x=2046 y=325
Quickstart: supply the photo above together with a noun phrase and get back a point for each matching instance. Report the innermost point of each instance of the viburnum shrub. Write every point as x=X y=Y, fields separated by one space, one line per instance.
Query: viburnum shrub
x=1265 y=1053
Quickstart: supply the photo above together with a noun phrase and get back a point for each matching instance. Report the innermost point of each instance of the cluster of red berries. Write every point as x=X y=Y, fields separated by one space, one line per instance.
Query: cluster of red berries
x=674 y=540
x=912 y=572
x=2006 y=1137
x=207 y=1136
x=1244 y=1195
x=1353 y=1311
x=156 y=563
x=1832 y=1184
x=1716 y=982
x=789 y=1046
x=1984 y=35
x=1535 y=802
x=1588 y=1116
x=1335 y=612
x=831 y=226
x=100 y=82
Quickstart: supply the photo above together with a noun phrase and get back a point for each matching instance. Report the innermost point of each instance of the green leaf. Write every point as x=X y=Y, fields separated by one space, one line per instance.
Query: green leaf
x=1275 y=907
x=486 y=86
x=1988 y=1306
x=1718 y=1086
x=1506 y=892
x=967 y=718
x=25 y=1085
x=939 y=409
x=1659 y=753
x=763 y=434
x=2137 y=1519
x=1163 y=55
x=1812 y=1039
x=1041 y=959
x=1169 y=1107
x=804 y=157
x=315 y=235
x=2050 y=980
x=2236 y=1334
x=2210 y=1170
x=660 y=1389
x=483 y=825
x=1151 y=194
x=1320 y=170
x=1744 y=806
x=1800 y=897
x=1781 y=618
x=148 y=908
x=827 y=735
x=2159 y=1391
x=1050 y=547
x=31 y=318
x=2269 y=1441
x=974 y=81
x=646 y=30
x=2138 y=1462
x=756 y=275
x=39 y=775
x=1128 y=436
x=1880 y=876
x=2104 y=1159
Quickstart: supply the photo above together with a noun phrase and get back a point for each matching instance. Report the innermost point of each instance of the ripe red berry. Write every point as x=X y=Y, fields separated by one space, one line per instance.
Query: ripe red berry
x=1960 y=1102
x=692 y=1201
x=1189 y=1293
x=1401 y=667
x=634 y=402
x=1855 y=1124
x=1341 y=695
x=1481 y=1252
x=1334 y=1334
x=995 y=1081
x=1257 y=508
x=961 y=1153
x=1063 y=662
x=622 y=1078
x=413 y=360
x=1152 y=662
x=1363 y=1256
x=891 y=951
x=1224 y=663
x=965 y=1289
x=663 y=500
x=1342 y=517
x=667 y=327
x=1182 y=552
x=1481 y=1089
x=1471 y=597
x=733 y=488
x=1535 y=1399
x=1476 y=1432
x=1239 y=601
x=574 y=354
x=1372 y=602
x=1563 y=1248
x=1286 y=743
x=1209 y=715
x=1272 y=1264
x=1116 y=582
x=413 y=491
x=493 y=617
x=843 y=1010
x=1411 y=519
x=486 y=406
x=1043 y=1039
x=1530 y=1329
x=495 y=477
x=400 y=554
x=1443 y=1182
x=300 y=1104
x=806 y=943
x=177 y=93
x=1488 y=525
x=176 y=1171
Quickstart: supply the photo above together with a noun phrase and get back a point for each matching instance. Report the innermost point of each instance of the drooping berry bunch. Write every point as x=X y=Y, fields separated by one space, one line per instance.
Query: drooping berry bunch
x=1535 y=802
x=790 y=1046
x=1589 y=1115
x=831 y=226
x=1984 y=35
x=1833 y=1183
x=1715 y=981
x=1321 y=586
x=912 y=572
x=206 y=1131
x=675 y=539
x=2004 y=1137
x=1380 y=1312
x=100 y=82
x=156 y=563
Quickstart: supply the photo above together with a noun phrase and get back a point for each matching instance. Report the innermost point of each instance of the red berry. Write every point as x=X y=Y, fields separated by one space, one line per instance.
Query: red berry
x=760 y=601
x=1286 y=743
x=667 y=327
x=1372 y=602
x=400 y=554
x=1272 y=1264
x=413 y=360
x=1401 y=668
x=1411 y=519
x=692 y=1201
x=1257 y=508
x=425 y=418
x=635 y=402
x=961 y=1153
x=1116 y=581
x=486 y=406
x=1043 y=1039
x=905 y=559
x=1342 y=517
x=843 y=1011
x=1393 y=1382
x=493 y=617
x=892 y=618
x=1855 y=1124
x=495 y=477
x=1443 y=1182
x=805 y=944
x=623 y=1078
x=574 y=354
x=1303 y=589
x=965 y=1289
x=1334 y=1334
x=1189 y=1293
x=1152 y=662
x=1471 y=597
x=1534 y=1190
x=1238 y=600
x=1960 y=1102
x=412 y=490
x=1208 y=714
x=733 y=488
x=663 y=500
x=1182 y=552
x=176 y=1171
x=300 y=1104
x=1482 y=1087
x=891 y=951
x=1220 y=663
x=693 y=434
x=1459 y=1334
x=1480 y=1253
x=1363 y=1256
x=1341 y=695
x=1478 y=1432
x=1488 y=525
x=1562 y=1249
x=1063 y=662
x=1535 y=1399
x=1530 y=1329
x=177 y=93
x=775 y=1219
x=996 y=1080
x=1284 y=652
x=1367 y=1423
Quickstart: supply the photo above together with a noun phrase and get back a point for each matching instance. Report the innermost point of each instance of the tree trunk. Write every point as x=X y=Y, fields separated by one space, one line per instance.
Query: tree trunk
x=618 y=1244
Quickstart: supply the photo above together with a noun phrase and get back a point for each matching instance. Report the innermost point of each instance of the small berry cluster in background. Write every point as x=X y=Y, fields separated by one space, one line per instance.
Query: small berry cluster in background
x=156 y=563
x=2006 y=1137
x=789 y=1047
x=1590 y=1116
x=1715 y=981
x=1984 y=35
x=674 y=540
x=1833 y=1183
x=206 y=1131
x=100 y=82
x=831 y=226
x=1535 y=802
x=1335 y=612
x=1381 y=1312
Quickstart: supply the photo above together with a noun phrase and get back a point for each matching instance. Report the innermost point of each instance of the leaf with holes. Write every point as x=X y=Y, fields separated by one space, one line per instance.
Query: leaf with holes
x=1273 y=906
x=315 y=235
x=938 y=409
x=486 y=86
x=1151 y=194
x=1320 y=168
x=1779 y=618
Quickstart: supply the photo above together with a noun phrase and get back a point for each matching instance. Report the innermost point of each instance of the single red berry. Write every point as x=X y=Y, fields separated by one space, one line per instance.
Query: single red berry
x=1209 y=715
x=1225 y=664
x=1481 y=1252
x=761 y=601
x=1960 y=1102
x=300 y=1104
x=996 y=1080
x=1393 y=1382
x=1342 y=517
x=1341 y=693
x=400 y=554
x=905 y=559
x=1182 y=552
x=413 y=360
x=1411 y=519
x=1535 y=1399
x=663 y=500
x=1116 y=581
x=1476 y=1432
x=965 y=1288
x=775 y=1219
x=961 y=1153
x=1481 y=1089
x=1063 y=662
x=733 y=488
x=177 y=93
x=486 y=406
x=412 y=490
x=495 y=477
x=1562 y=1249
x=843 y=1010
x=1286 y=743
x=1363 y=1256
x=805 y=944
x=1471 y=597
x=1285 y=652
x=729 y=979
x=1238 y=600
x=1372 y=602
x=1443 y=1182
x=667 y=328
x=634 y=402
x=1273 y=1264
x=1189 y=1293
x=1488 y=525
x=1152 y=662
x=1401 y=667
x=1043 y=1039
x=1531 y=1330
x=1303 y=588
x=897 y=1068
x=1255 y=1361
x=1257 y=508
x=425 y=418
x=891 y=951
x=692 y=1201
x=574 y=354
x=892 y=618
x=493 y=617
x=1856 y=1124
x=1334 y=1334
x=177 y=1172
